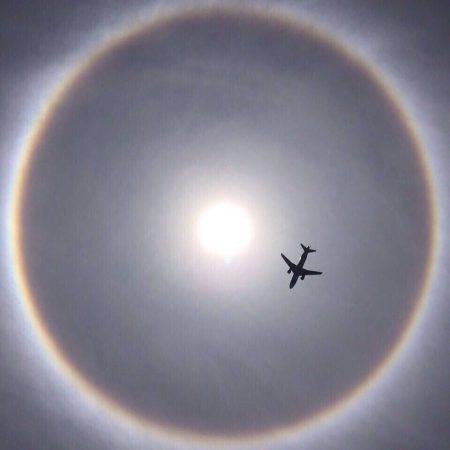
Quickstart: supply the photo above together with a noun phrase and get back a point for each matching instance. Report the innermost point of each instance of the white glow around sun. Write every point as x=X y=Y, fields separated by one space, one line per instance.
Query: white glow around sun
x=225 y=230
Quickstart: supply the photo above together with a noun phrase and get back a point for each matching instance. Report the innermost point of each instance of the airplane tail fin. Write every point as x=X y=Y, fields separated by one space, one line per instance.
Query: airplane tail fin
x=307 y=249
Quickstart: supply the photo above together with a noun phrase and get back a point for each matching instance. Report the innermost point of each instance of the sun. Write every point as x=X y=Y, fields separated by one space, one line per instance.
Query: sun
x=225 y=230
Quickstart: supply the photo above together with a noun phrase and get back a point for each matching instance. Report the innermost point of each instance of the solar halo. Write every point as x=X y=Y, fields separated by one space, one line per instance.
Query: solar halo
x=62 y=360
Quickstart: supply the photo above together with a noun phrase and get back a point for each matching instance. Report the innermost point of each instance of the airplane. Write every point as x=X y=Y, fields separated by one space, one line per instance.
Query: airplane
x=297 y=269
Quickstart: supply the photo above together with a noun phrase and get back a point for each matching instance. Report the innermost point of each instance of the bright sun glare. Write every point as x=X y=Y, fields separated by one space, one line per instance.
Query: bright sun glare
x=225 y=230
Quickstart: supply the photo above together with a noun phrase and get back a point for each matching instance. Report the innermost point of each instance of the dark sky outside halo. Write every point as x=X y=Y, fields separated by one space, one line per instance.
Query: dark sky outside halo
x=105 y=233
x=391 y=433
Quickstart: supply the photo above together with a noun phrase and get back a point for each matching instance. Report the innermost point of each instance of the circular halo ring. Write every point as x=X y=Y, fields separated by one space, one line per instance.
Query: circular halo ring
x=49 y=344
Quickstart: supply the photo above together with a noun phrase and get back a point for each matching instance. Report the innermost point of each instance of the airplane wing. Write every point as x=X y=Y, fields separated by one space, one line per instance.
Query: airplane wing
x=291 y=265
x=309 y=272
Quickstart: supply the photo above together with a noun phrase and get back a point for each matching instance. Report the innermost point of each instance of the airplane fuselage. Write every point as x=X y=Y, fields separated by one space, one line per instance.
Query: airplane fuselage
x=293 y=280
x=298 y=270
x=301 y=261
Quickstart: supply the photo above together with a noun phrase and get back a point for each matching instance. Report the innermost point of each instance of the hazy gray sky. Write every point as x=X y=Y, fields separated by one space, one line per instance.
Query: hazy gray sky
x=248 y=108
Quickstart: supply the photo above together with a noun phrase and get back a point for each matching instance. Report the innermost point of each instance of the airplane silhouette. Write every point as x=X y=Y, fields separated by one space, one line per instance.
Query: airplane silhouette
x=297 y=269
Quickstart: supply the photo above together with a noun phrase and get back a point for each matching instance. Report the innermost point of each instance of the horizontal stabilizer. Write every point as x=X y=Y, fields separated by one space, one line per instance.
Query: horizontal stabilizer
x=307 y=249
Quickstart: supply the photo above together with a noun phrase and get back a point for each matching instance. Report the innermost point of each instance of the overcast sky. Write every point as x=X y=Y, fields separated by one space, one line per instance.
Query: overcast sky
x=248 y=107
